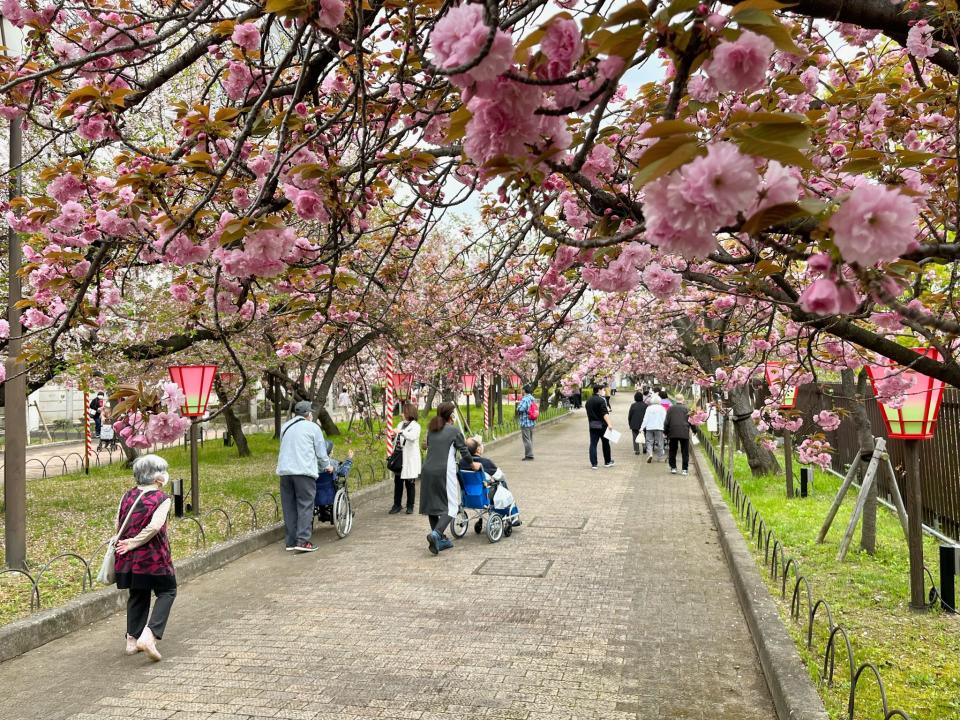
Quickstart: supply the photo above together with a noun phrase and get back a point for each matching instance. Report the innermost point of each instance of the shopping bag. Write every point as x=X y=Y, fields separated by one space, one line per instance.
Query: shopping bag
x=108 y=573
x=502 y=498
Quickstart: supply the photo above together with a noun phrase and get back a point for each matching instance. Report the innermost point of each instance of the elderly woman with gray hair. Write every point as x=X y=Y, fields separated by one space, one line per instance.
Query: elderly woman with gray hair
x=143 y=561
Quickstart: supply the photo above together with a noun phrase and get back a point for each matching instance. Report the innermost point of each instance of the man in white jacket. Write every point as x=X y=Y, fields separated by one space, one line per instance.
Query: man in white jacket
x=652 y=427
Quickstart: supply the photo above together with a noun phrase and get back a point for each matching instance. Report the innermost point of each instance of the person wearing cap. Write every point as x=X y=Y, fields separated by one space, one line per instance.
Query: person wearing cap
x=526 y=422
x=303 y=453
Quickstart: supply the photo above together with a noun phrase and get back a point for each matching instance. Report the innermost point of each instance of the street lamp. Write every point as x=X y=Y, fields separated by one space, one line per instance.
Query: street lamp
x=469 y=380
x=403 y=382
x=914 y=420
x=774 y=373
x=195 y=382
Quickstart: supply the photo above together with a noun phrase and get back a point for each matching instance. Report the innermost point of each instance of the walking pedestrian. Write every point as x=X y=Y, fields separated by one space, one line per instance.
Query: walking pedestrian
x=652 y=426
x=408 y=435
x=527 y=415
x=439 y=487
x=635 y=420
x=664 y=399
x=303 y=453
x=143 y=562
x=677 y=429
x=96 y=412
x=598 y=419
x=343 y=403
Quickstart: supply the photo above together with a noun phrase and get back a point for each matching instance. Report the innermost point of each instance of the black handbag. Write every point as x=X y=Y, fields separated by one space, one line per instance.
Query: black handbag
x=395 y=461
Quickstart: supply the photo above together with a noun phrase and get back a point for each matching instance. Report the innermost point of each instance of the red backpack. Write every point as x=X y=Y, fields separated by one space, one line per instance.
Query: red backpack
x=533 y=412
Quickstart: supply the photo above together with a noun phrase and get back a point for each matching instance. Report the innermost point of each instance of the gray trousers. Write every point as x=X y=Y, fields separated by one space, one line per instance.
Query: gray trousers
x=296 y=498
x=138 y=609
x=526 y=433
x=655 y=440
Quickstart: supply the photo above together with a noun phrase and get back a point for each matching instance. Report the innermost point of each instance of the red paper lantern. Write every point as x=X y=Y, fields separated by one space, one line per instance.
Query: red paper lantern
x=195 y=381
x=468 y=382
x=916 y=419
x=402 y=382
x=514 y=381
x=228 y=377
x=774 y=373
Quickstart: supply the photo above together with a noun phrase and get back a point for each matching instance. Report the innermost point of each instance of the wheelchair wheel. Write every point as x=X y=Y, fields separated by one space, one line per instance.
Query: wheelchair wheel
x=460 y=524
x=342 y=513
x=494 y=528
x=478 y=526
x=507 y=529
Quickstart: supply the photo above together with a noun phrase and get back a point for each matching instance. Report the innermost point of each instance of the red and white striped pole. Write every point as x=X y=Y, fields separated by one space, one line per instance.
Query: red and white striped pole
x=486 y=406
x=388 y=396
x=86 y=433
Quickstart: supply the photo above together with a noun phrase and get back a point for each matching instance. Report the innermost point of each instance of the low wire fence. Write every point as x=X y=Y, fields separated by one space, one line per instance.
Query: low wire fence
x=804 y=609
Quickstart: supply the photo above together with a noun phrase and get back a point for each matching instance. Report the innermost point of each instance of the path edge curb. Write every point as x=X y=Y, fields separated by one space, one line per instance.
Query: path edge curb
x=793 y=693
x=44 y=626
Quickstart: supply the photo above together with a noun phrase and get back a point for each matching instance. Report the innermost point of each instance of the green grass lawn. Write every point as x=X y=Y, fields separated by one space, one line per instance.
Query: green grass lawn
x=918 y=654
x=75 y=512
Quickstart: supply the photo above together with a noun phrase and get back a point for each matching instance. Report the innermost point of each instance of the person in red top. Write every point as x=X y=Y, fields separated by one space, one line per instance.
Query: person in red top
x=144 y=564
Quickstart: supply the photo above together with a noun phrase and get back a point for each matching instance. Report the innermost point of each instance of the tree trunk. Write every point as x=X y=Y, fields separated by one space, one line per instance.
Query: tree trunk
x=761 y=460
x=856 y=391
x=428 y=402
x=234 y=426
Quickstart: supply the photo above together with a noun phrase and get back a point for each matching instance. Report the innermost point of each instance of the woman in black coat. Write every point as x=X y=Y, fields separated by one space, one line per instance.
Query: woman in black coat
x=439 y=487
x=635 y=419
x=677 y=429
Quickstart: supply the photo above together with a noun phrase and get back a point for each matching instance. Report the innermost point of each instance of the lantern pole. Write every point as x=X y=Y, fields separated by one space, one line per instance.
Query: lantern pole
x=911 y=457
x=500 y=399
x=788 y=460
x=15 y=388
x=194 y=467
x=468 y=394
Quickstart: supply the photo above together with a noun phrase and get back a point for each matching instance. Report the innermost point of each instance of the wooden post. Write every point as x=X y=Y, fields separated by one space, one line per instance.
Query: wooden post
x=911 y=457
x=788 y=460
x=868 y=481
x=194 y=467
x=898 y=499
x=838 y=500
x=731 y=441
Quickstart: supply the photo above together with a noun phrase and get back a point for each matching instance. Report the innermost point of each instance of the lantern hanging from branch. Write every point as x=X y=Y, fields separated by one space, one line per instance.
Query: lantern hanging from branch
x=774 y=373
x=916 y=417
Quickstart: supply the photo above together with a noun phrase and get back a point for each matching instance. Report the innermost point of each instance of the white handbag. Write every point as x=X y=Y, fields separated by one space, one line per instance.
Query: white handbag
x=108 y=573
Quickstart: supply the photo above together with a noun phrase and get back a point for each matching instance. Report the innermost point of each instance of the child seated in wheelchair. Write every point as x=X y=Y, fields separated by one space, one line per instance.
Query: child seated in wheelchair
x=328 y=483
x=497 y=478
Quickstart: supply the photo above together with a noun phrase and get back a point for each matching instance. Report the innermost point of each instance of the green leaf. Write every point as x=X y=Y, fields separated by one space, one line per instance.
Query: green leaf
x=795 y=135
x=458 y=124
x=662 y=149
x=773 y=215
x=860 y=167
x=628 y=13
x=678 y=157
x=670 y=127
x=778 y=33
x=784 y=154
x=758 y=5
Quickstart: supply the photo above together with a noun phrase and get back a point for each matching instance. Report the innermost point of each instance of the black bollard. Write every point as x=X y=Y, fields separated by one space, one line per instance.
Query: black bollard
x=949 y=568
x=806 y=481
x=178 y=497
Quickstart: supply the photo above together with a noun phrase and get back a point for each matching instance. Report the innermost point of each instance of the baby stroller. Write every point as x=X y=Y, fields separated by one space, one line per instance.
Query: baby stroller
x=332 y=501
x=478 y=491
x=108 y=440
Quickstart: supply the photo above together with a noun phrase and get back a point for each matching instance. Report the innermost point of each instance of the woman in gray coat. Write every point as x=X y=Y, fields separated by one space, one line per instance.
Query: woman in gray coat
x=439 y=488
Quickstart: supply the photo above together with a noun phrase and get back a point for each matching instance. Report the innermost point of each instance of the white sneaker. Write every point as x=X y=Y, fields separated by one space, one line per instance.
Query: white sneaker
x=673 y=471
x=132 y=648
x=685 y=472
x=148 y=645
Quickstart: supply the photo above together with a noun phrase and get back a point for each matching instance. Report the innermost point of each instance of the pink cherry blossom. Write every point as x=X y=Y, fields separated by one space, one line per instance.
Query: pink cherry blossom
x=660 y=282
x=309 y=205
x=289 y=348
x=173 y=397
x=920 y=40
x=36 y=319
x=165 y=427
x=459 y=39
x=828 y=420
x=819 y=264
x=722 y=183
x=65 y=187
x=181 y=293
x=874 y=224
x=331 y=14
x=504 y=125
x=562 y=46
x=821 y=298
x=740 y=65
x=246 y=36
x=4 y=329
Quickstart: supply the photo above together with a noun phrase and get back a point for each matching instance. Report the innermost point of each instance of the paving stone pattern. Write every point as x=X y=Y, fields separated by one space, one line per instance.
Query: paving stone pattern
x=613 y=601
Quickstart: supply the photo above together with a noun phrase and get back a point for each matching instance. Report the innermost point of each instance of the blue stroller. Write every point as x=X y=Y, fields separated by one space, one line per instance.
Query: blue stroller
x=332 y=500
x=478 y=490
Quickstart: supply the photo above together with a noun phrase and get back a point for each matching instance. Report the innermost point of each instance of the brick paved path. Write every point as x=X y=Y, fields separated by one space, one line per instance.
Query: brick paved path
x=612 y=601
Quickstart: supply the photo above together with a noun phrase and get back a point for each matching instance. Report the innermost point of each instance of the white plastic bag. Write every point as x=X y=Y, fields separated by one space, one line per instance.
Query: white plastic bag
x=502 y=498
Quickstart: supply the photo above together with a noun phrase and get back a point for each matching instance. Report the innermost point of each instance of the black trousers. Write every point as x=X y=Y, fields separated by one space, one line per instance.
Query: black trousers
x=596 y=435
x=439 y=523
x=398 y=486
x=638 y=446
x=684 y=444
x=138 y=609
